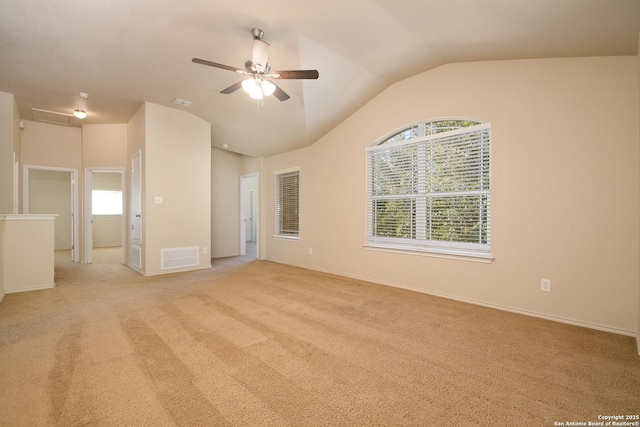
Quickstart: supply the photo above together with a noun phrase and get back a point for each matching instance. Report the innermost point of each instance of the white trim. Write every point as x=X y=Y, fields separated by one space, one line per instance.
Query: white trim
x=432 y=252
x=283 y=171
x=35 y=288
x=378 y=145
x=27 y=217
x=290 y=238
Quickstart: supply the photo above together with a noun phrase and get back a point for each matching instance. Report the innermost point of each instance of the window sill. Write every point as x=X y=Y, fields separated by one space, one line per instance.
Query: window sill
x=456 y=254
x=289 y=238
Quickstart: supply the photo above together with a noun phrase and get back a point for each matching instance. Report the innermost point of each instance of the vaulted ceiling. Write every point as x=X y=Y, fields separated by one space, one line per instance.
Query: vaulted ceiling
x=125 y=52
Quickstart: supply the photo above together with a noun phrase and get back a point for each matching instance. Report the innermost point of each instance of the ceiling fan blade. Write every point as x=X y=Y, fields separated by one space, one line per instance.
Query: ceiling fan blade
x=232 y=88
x=295 y=74
x=216 y=65
x=280 y=94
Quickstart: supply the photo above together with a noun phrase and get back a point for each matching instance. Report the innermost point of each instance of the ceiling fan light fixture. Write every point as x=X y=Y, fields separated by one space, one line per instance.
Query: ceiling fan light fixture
x=268 y=88
x=249 y=84
x=252 y=87
x=80 y=114
x=256 y=93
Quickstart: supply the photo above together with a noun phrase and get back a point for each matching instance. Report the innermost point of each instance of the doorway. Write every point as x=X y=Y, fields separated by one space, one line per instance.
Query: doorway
x=49 y=190
x=104 y=224
x=249 y=216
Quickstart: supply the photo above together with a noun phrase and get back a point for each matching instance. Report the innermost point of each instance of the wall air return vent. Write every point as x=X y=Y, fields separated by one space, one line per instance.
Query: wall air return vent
x=179 y=257
x=51 y=117
x=136 y=257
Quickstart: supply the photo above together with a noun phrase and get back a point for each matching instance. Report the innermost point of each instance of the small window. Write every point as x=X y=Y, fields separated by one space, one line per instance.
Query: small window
x=429 y=188
x=287 y=204
x=106 y=202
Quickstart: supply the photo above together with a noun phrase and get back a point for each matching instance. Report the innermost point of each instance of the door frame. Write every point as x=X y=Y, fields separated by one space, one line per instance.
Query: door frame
x=88 y=217
x=243 y=227
x=75 y=223
x=16 y=183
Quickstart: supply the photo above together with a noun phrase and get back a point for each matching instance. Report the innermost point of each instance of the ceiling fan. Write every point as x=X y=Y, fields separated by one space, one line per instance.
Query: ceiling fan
x=260 y=84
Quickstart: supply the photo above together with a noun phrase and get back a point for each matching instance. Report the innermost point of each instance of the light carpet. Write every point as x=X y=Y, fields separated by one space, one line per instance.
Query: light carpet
x=255 y=343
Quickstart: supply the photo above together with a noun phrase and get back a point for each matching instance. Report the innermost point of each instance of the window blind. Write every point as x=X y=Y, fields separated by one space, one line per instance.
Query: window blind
x=431 y=191
x=287 y=204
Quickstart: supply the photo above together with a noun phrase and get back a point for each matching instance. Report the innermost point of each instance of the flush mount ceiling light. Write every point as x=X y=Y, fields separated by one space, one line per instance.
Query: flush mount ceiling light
x=79 y=114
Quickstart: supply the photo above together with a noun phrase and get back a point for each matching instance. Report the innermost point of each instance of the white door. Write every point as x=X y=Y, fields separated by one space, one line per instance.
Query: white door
x=88 y=218
x=250 y=235
x=136 y=198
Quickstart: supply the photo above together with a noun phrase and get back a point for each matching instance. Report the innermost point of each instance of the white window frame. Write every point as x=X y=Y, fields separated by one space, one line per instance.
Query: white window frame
x=278 y=232
x=415 y=136
x=117 y=200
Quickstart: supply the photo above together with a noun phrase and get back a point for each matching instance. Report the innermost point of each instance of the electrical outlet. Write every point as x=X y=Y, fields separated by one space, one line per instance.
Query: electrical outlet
x=204 y=250
x=545 y=285
x=310 y=251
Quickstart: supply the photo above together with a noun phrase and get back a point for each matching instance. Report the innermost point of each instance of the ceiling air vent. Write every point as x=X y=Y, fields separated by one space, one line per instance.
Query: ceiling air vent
x=51 y=117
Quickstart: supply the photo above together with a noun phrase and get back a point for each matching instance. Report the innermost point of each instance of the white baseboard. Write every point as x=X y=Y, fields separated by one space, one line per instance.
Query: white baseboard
x=35 y=288
x=590 y=325
x=164 y=272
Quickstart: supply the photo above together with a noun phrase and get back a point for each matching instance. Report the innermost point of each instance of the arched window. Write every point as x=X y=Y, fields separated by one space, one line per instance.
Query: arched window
x=429 y=188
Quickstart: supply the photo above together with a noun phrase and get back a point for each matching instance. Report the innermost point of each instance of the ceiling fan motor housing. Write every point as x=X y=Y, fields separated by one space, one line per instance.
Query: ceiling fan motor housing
x=257 y=33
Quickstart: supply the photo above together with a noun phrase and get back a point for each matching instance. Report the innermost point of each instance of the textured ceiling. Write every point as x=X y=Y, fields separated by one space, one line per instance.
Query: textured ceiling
x=124 y=52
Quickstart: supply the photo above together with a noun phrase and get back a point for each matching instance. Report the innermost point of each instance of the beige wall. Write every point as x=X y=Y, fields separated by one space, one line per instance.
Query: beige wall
x=225 y=203
x=565 y=188
x=92 y=146
x=6 y=169
x=50 y=193
x=177 y=167
x=27 y=255
x=226 y=170
x=6 y=153
x=9 y=134
x=45 y=144
x=57 y=147
x=104 y=145
x=107 y=231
